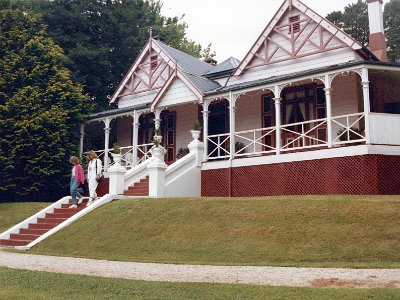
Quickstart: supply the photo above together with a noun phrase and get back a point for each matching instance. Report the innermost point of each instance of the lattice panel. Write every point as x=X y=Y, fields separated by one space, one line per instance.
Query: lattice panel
x=357 y=175
x=215 y=183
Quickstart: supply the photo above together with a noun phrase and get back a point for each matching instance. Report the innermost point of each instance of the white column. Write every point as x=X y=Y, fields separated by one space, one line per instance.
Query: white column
x=135 y=137
x=157 y=169
x=82 y=135
x=107 y=130
x=278 y=122
x=232 y=109
x=205 y=128
x=117 y=178
x=367 y=107
x=328 y=98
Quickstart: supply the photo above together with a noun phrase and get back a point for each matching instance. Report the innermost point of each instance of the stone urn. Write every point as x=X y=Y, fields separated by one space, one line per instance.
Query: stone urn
x=117 y=157
x=195 y=134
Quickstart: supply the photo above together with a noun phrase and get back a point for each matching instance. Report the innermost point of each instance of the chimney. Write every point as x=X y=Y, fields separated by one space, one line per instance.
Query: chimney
x=377 y=41
x=211 y=61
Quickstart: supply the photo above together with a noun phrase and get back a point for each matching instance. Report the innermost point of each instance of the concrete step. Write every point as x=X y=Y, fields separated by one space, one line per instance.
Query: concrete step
x=64 y=215
x=24 y=237
x=41 y=226
x=13 y=243
x=33 y=231
x=51 y=221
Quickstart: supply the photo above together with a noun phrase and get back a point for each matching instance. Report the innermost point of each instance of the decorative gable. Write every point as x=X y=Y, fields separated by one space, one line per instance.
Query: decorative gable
x=295 y=31
x=149 y=73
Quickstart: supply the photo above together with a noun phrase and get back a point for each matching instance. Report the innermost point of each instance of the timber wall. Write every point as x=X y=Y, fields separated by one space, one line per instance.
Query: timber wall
x=358 y=175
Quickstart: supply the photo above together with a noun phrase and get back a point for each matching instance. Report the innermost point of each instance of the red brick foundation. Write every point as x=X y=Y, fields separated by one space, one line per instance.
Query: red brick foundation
x=358 y=175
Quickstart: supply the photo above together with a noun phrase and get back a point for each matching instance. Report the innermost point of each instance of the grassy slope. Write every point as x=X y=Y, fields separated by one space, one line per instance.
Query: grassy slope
x=21 y=284
x=14 y=213
x=342 y=231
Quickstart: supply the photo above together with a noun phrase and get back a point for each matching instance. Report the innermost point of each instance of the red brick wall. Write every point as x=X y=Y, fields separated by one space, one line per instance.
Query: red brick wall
x=367 y=174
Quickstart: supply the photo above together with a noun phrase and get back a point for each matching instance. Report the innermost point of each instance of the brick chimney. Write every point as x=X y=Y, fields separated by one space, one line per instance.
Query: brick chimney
x=377 y=41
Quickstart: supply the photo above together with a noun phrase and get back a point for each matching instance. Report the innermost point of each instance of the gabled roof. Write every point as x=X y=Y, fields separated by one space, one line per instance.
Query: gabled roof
x=286 y=6
x=191 y=67
x=186 y=62
x=227 y=65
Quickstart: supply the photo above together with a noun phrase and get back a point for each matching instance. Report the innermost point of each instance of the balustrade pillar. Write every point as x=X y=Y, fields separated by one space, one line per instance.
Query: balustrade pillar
x=367 y=106
x=205 y=128
x=232 y=110
x=107 y=130
x=278 y=122
x=328 y=99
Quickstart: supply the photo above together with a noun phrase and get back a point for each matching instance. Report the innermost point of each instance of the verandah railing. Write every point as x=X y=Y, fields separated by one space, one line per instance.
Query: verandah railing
x=143 y=153
x=346 y=129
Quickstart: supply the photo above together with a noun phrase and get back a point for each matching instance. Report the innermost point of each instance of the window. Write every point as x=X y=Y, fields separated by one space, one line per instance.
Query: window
x=294 y=22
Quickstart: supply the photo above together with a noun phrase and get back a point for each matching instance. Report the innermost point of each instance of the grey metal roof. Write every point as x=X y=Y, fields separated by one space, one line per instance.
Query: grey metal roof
x=227 y=65
x=116 y=111
x=188 y=63
x=273 y=79
x=203 y=84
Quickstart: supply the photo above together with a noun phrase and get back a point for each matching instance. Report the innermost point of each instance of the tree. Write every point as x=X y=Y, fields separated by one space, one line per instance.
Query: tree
x=392 y=29
x=102 y=38
x=40 y=109
x=354 y=21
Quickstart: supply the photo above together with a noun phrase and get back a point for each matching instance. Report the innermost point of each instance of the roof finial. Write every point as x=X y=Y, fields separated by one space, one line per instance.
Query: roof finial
x=290 y=5
x=151 y=32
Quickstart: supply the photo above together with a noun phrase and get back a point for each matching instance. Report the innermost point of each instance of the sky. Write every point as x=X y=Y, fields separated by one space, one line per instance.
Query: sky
x=232 y=26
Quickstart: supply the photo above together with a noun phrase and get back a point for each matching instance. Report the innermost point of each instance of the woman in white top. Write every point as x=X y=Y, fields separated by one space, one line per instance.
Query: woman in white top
x=94 y=171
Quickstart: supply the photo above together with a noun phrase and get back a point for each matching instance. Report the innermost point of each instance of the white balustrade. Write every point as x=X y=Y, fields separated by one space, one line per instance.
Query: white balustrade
x=144 y=152
x=219 y=143
x=307 y=137
x=255 y=141
x=350 y=129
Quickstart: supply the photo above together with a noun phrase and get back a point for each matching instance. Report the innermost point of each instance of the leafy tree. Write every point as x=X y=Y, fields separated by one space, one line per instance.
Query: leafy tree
x=392 y=29
x=102 y=38
x=354 y=21
x=40 y=109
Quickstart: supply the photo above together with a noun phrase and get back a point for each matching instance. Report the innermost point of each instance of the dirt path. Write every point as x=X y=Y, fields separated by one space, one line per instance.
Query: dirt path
x=276 y=276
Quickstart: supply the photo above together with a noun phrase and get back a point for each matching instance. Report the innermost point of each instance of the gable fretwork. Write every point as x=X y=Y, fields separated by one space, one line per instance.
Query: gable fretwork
x=152 y=73
x=295 y=32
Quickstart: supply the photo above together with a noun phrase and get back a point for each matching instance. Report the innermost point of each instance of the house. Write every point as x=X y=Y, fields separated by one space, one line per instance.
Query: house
x=309 y=110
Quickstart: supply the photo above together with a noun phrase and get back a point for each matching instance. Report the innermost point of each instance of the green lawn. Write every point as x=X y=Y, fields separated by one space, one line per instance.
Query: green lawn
x=323 y=231
x=13 y=213
x=21 y=284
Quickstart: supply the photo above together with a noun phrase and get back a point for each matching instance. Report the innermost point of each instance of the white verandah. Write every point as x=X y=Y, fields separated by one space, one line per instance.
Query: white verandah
x=335 y=128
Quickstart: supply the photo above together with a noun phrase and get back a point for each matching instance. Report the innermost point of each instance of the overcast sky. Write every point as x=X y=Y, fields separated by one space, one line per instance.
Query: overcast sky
x=232 y=26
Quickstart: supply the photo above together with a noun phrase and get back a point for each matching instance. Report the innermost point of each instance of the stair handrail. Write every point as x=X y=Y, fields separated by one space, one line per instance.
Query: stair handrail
x=99 y=202
x=33 y=219
x=136 y=173
x=179 y=167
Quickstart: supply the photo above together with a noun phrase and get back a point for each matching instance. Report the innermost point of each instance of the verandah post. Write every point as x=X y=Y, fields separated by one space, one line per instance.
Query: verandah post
x=205 y=128
x=107 y=130
x=277 y=101
x=232 y=109
x=135 y=131
x=367 y=108
x=328 y=98
x=82 y=135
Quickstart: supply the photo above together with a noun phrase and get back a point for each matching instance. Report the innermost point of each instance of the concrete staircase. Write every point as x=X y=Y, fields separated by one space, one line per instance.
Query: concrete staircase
x=140 y=188
x=40 y=226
